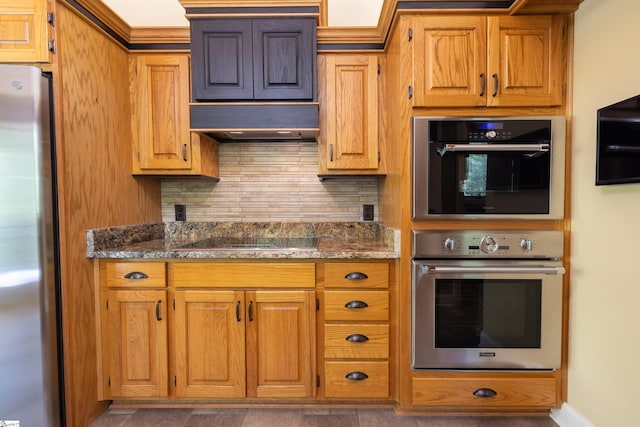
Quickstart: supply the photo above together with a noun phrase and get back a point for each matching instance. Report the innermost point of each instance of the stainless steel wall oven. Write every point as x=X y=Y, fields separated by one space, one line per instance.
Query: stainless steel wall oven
x=487 y=300
x=491 y=168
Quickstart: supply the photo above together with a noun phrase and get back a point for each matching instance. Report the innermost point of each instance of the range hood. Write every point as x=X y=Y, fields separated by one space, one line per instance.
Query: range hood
x=236 y=122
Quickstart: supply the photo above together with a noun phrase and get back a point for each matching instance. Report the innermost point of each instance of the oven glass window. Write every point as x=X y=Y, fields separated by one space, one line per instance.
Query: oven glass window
x=488 y=183
x=487 y=313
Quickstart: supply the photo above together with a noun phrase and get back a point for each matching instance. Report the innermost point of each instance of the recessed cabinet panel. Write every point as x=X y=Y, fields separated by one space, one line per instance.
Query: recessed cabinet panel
x=253 y=59
x=24 y=31
x=222 y=59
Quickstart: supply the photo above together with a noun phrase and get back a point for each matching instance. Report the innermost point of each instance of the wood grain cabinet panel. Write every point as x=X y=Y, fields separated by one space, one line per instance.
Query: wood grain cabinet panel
x=474 y=61
x=210 y=344
x=134 y=342
x=356 y=341
x=162 y=141
x=357 y=379
x=356 y=305
x=350 y=137
x=24 y=31
x=135 y=274
x=487 y=392
x=356 y=275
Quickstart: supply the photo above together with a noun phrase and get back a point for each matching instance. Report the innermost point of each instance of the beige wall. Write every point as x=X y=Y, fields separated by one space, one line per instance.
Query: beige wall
x=353 y=12
x=269 y=181
x=604 y=367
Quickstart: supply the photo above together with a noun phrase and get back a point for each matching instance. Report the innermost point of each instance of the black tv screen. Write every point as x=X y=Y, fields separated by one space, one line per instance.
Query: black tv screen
x=618 y=150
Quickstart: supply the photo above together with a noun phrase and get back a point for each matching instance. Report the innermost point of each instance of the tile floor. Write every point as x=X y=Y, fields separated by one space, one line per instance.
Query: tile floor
x=298 y=417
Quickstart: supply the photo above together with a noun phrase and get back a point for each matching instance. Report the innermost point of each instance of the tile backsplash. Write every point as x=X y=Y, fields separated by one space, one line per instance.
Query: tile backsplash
x=270 y=181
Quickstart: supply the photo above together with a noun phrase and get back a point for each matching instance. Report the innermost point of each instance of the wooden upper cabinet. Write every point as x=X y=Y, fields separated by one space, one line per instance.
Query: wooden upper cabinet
x=24 y=31
x=349 y=98
x=475 y=61
x=253 y=59
x=162 y=141
x=134 y=343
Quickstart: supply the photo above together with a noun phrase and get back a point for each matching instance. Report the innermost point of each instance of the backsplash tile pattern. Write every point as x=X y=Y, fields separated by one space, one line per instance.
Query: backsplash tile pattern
x=270 y=181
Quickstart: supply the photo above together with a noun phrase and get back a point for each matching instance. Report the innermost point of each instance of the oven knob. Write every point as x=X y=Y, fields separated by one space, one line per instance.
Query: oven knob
x=450 y=244
x=488 y=244
x=526 y=244
x=491 y=134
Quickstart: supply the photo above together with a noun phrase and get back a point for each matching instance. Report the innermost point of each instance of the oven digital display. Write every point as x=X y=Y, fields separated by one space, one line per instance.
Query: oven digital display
x=491 y=125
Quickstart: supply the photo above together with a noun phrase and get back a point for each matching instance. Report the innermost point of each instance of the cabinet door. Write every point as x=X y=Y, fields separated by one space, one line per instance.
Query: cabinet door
x=160 y=112
x=351 y=106
x=24 y=31
x=210 y=344
x=280 y=344
x=284 y=59
x=134 y=340
x=525 y=61
x=449 y=61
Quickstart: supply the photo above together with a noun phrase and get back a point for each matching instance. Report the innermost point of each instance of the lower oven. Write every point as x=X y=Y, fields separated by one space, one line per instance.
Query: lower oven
x=487 y=300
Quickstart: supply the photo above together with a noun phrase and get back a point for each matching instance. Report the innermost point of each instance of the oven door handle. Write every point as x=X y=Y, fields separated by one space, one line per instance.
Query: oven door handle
x=482 y=270
x=483 y=148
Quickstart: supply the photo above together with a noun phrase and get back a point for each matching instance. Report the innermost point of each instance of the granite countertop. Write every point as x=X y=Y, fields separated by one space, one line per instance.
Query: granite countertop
x=365 y=240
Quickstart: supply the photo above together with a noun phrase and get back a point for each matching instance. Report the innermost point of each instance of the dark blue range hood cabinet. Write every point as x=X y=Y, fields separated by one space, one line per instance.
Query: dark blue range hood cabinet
x=254 y=79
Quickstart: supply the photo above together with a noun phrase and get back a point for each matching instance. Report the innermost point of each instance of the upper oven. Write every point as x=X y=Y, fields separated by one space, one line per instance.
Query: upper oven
x=490 y=168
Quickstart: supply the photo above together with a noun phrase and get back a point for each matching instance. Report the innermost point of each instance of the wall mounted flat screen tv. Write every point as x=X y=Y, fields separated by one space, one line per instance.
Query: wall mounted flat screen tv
x=618 y=151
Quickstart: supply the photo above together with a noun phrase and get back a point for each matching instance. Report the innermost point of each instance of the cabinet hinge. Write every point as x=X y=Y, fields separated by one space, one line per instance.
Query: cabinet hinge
x=51 y=45
x=378 y=69
x=107 y=304
x=175 y=381
x=174 y=304
x=410 y=35
x=51 y=19
x=410 y=92
x=378 y=157
x=317 y=304
x=317 y=380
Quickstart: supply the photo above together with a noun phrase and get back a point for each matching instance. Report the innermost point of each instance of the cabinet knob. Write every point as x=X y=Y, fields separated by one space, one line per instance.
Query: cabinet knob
x=356 y=376
x=485 y=393
x=356 y=304
x=357 y=338
x=356 y=275
x=136 y=275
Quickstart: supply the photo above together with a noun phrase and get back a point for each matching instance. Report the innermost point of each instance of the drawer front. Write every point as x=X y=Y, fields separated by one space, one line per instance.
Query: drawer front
x=374 y=385
x=356 y=275
x=356 y=305
x=356 y=341
x=135 y=274
x=243 y=275
x=509 y=392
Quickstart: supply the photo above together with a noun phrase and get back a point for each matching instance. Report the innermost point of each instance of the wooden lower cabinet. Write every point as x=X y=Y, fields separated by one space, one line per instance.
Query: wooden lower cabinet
x=235 y=344
x=490 y=392
x=134 y=343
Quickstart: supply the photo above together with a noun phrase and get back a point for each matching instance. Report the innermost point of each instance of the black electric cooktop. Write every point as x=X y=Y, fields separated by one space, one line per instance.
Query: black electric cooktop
x=253 y=243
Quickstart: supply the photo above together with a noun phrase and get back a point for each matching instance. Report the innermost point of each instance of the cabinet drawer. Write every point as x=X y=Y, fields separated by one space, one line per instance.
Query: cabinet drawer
x=243 y=275
x=353 y=274
x=135 y=274
x=509 y=392
x=356 y=305
x=374 y=383
x=374 y=342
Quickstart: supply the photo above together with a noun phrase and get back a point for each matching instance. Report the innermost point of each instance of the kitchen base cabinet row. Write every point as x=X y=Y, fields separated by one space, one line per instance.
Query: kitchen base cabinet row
x=190 y=331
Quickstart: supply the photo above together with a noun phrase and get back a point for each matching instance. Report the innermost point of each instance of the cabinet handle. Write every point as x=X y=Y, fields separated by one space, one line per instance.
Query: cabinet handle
x=331 y=152
x=356 y=275
x=356 y=376
x=483 y=83
x=356 y=304
x=158 y=311
x=250 y=311
x=485 y=393
x=238 y=311
x=136 y=275
x=495 y=85
x=357 y=338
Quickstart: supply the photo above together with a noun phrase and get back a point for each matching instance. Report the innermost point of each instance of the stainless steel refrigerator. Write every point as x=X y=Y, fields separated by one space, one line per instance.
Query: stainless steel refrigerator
x=30 y=355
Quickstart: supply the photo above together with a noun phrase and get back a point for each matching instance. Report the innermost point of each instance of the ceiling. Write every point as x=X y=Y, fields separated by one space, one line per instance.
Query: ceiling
x=146 y=13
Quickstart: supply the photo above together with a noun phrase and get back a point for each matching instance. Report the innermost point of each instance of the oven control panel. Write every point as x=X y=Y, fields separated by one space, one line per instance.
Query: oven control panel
x=543 y=244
